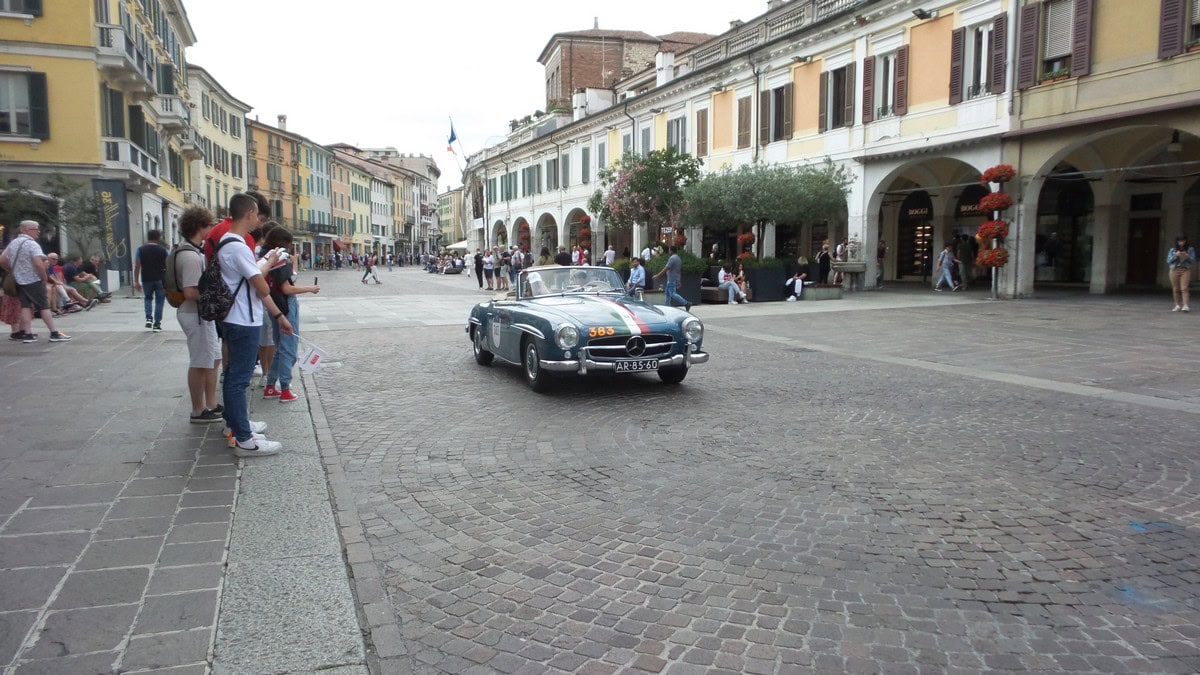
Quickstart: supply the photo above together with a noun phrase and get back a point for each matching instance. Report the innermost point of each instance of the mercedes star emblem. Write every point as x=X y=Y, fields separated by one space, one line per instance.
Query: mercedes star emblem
x=636 y=346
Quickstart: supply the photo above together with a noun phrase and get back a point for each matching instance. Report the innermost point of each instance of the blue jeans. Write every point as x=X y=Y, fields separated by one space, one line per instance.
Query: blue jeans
x=285 y=347
x=242 y=342
x=672 y=297
x=732 y=289
x=946 y=277
x=154 y=290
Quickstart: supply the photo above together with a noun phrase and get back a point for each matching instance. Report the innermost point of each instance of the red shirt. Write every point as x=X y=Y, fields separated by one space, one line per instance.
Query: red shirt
x=214 y=237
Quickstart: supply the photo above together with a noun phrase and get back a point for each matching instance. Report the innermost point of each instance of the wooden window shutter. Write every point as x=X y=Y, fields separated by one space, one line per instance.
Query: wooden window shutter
x=116 y=111
x=823 y=102
x=1171 y=27
x=958 y=47
x=900 y=107
x=868 y=88
x=851 y=90
x=701 y=133
x=1027 y=46
x=788 y=99
x=999 y=65
x=764 y=117
x=39 y=107
x=1081 y=38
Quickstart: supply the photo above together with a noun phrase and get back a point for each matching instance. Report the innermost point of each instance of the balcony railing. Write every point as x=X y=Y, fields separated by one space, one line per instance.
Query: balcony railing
x=171 y=113
x=274 y=154
x=321 y=228
x=977 y=91
x=119 y=55
x=191 y=145
x=251 y=148
x=830 y=7
x=276 y=186
x=124 y=155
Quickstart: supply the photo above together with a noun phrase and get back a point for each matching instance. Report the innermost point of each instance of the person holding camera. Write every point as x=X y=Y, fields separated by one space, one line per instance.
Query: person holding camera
x=1180 y=259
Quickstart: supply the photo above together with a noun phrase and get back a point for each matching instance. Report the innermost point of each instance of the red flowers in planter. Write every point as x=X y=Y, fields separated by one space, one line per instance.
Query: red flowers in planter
x=992 y=257
x=996 y=201
x=585 y=233
x=745 y=255
x=680 y=239
x=585 y=219
x=745 y=239
x=993 y=229
x=1001 y=173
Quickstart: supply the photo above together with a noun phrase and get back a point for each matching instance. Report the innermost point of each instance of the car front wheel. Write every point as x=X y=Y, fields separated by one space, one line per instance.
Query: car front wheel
x=673 y=375
x=482 y=356
x=537 y=379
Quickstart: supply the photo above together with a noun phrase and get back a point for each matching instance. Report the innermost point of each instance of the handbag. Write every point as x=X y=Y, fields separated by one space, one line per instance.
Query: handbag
x=10 y=285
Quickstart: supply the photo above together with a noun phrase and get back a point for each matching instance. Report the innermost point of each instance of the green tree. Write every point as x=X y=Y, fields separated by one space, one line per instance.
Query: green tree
x=646 y=190
x=753 y=195
x=80 y=213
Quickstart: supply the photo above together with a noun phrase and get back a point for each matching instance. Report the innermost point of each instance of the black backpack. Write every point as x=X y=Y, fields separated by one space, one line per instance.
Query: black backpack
x=216 y=299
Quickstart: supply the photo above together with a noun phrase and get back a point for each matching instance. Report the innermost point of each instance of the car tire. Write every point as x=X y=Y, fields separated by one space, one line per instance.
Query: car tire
x=482 y=356
x=537 y=378
x=673 y=375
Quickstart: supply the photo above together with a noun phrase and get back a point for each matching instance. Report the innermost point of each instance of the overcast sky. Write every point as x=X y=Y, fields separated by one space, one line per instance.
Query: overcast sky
x=392 y=73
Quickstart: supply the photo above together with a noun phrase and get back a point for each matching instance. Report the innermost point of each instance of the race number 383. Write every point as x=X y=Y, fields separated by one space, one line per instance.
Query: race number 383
x=601 y=331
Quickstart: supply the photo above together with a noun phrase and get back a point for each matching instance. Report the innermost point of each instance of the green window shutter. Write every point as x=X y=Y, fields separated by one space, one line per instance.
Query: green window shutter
x=39 y=107
x=33 y=7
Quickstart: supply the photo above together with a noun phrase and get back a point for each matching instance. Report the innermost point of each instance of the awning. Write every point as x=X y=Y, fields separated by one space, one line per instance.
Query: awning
x=338 y=245
x=464 y=245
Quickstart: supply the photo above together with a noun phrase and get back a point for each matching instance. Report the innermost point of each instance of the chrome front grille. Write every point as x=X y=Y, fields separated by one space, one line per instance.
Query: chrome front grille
x=618 y=346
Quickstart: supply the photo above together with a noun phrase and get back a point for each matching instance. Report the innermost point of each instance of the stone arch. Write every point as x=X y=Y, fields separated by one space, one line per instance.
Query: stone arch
x=499 y=234
x=522 y=234
x=545 y=235
x=912 y=240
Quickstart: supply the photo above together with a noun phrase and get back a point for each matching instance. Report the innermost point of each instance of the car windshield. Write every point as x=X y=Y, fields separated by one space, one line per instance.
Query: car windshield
x=556 y=280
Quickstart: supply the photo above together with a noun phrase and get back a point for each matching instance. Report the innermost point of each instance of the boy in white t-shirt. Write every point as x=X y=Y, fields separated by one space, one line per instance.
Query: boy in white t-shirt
x=242 y=326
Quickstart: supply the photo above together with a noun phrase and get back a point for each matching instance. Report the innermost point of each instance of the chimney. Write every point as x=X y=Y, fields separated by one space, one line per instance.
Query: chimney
x=595 y=23
x=283 y=122
x=736 y=24
x=774 y=4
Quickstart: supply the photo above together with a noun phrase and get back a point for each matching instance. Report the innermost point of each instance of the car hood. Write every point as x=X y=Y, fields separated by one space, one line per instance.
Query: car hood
x=626 y=315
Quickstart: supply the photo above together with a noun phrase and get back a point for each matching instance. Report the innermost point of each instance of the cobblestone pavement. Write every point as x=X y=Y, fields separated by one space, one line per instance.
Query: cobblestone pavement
x=836 y=491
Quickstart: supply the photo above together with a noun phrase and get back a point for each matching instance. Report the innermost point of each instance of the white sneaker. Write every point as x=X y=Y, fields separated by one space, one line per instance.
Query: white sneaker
x=1177 y=308
x=255 y=427
x=1185 y=309
x=791 y=298
x=732 y=302
x=257 y=447
x=262 y=382
x=253 y=437
x=258 y=370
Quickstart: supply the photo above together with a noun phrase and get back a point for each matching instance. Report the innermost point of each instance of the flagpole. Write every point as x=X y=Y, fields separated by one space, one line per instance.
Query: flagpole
x=450 y=146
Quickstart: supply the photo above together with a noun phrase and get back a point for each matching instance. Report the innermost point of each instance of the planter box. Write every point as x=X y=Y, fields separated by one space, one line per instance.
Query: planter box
x=689 y=287
x=850 y=267
x=766 y=283
x=822 y=292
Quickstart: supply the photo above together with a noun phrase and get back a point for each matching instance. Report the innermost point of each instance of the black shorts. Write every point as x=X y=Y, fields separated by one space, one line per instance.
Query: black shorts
x=489 y=273
x=33 y=296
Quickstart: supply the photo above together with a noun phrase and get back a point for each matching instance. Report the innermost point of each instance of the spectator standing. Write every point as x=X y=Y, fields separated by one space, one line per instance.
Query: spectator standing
x=880 y=255
x=1180 y=259
x=610 y=255
x=150 y=264
x=281 y=280
x=544 y=257
x=563 y=258
x=824 y=265
x=517 y=261
x=576 y=255
x=647 y=254
x=489 y=268
x=478 y=259
x=242 y=325
x=674 y=273
x=24 y=260
x=204 y=350
x=502 y=273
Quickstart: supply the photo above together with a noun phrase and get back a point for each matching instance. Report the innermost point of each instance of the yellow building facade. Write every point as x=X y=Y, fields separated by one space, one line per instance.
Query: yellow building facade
x=219 y=129
x=97 y=91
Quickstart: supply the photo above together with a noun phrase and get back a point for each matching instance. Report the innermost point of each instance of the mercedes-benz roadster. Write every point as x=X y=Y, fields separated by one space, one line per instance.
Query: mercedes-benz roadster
x=580 y=320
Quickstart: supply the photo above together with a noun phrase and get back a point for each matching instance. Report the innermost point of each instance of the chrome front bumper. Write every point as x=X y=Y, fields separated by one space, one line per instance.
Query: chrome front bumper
x=584 y=365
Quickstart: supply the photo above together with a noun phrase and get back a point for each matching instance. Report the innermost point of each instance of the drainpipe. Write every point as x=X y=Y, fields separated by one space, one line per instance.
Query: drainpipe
x=633 y=146
x=757 y=101
x=557 y=149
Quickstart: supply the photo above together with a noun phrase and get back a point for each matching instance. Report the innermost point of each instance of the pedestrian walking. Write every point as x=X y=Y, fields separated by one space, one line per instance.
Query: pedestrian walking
x=881 y=250
x=26 y=264
x=674 y=273
x=150 y=264
x=478 y=260
x=242 y=325
x=945 y=266
x=1180 y=259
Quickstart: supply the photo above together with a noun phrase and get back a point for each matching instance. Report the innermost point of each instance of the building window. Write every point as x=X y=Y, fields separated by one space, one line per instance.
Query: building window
x=235 y=127
x=836 y=104
x=885 y=85
x=743 y=122
x=601 y=155
x=677 y=134
x=565 y=171
x=647 y=140
x=1056 y=37
x=23 y=105
x=977 y=62
x=702 y=133
x=32 y=7
x=775 y=114
x=585 y=165
x=626 y=143
x=552 y=174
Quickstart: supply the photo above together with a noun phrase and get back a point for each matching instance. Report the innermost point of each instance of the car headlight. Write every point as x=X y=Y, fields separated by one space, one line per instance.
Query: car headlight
x=693 y=330
x=567 y=336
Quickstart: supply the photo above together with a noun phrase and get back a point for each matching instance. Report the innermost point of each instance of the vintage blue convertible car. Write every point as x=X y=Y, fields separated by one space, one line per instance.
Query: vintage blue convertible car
x=580 y=320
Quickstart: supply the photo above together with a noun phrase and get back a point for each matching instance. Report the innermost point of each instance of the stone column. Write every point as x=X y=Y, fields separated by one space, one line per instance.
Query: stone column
x=695 y=236
x=1110 y=227
x=768 y=242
